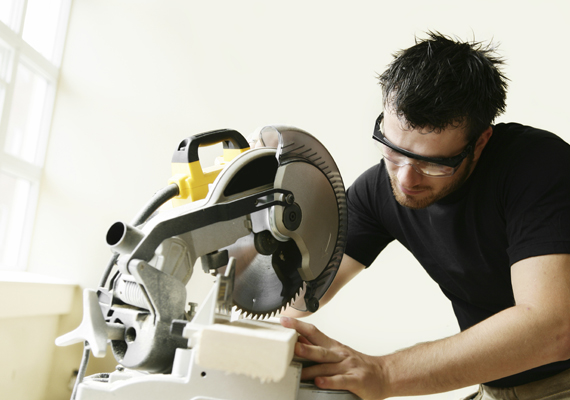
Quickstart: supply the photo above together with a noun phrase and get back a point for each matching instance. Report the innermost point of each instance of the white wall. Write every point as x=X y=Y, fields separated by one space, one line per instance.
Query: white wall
x=139 y=76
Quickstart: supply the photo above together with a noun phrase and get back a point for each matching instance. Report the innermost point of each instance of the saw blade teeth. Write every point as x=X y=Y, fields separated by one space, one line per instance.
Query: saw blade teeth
x=262 y=315
x=243 y=314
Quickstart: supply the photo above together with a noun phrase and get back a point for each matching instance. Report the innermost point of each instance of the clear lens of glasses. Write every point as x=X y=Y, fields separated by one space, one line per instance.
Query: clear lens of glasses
x=421 y=167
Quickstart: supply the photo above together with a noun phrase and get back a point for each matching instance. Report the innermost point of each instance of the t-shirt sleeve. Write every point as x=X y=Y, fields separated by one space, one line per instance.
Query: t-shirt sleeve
x=367 y=235
x=536 y=194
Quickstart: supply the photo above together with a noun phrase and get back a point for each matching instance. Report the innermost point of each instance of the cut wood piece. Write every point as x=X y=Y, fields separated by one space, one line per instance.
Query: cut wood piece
x=257 y=349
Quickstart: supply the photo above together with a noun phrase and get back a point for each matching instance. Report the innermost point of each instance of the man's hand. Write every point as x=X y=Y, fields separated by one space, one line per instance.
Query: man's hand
x=339 y=367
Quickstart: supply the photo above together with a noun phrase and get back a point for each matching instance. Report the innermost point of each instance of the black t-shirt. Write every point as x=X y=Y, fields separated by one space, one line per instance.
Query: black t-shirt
x=515 y=205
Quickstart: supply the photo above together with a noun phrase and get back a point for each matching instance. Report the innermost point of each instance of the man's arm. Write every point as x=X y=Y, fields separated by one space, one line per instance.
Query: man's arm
x=534 y=332
x=347 y=270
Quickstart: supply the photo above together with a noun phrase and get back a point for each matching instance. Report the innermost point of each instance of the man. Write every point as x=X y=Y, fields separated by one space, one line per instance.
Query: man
x=485 y=209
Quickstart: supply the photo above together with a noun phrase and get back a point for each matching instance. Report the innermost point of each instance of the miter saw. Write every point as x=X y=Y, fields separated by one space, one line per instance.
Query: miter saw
x=270 y=223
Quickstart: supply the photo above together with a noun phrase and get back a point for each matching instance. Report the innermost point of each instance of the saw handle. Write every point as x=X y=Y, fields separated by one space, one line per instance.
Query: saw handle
x=192 y=180
x=188 y=149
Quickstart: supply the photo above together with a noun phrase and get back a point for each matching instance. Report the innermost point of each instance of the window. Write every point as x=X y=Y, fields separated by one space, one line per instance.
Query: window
x=32 y=34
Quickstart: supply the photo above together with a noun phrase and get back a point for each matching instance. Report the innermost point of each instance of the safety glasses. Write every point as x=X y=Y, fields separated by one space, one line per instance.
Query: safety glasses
x=429 y=166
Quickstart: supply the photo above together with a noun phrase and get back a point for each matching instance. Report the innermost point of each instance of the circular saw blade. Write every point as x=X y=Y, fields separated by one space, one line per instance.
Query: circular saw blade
x=308 y=229
x=265 y=284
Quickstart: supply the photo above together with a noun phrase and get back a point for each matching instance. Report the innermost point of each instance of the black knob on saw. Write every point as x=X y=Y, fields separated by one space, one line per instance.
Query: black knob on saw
x=292 y=216
x=312 y=304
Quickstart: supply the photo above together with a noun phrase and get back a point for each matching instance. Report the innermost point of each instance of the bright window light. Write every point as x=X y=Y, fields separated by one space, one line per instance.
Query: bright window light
x=14 y=199
x=41 y=25
x=5 y=61
x=26 y=115
x=9 y=12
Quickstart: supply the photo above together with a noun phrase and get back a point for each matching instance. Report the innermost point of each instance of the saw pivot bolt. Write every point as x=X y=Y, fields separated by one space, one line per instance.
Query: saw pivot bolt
x=292 y=216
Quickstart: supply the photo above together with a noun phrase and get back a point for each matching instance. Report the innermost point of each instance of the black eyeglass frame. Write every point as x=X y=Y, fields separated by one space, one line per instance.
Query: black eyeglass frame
x=453 y=162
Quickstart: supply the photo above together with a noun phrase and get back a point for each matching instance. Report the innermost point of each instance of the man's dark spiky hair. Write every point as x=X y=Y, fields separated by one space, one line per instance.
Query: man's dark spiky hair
x=441 y=82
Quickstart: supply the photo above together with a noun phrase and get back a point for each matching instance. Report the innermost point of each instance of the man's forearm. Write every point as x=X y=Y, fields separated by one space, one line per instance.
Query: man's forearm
x=513 y=341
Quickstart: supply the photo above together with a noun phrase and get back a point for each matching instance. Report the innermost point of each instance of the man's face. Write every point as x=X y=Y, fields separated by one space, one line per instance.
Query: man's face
x=412 y=189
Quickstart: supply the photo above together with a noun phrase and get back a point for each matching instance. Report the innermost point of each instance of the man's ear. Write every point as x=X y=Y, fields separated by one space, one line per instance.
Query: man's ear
x=482 y=142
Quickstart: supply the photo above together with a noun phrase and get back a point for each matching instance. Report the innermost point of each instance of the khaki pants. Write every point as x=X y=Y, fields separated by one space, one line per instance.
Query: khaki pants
x=556 y=387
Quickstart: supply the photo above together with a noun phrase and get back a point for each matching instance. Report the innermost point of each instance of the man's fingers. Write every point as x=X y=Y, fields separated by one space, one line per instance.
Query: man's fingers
x=335 y=382
x=317 y=353
x=310 y=332
x=320 y=370
x=303 y=339
x=338 y=366
x=331 y=376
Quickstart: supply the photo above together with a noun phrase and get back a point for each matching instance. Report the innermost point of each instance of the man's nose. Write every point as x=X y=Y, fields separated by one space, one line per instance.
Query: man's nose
x=408 y=176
